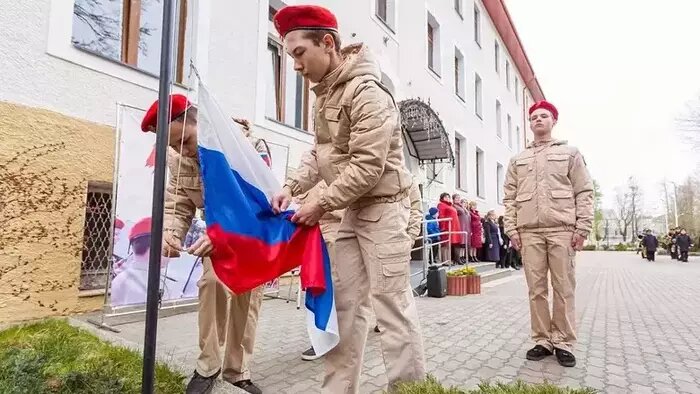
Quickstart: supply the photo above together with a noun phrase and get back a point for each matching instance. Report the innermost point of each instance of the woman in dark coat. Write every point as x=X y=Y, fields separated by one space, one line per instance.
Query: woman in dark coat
x=504 y=262
x=493 y=240
x=449 y=228
x=684 y=243
x=477 y=231
x=464 y=225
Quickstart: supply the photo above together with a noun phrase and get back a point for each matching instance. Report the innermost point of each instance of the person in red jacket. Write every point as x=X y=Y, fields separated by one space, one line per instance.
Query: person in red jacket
x=449 y=229
x=476 y=242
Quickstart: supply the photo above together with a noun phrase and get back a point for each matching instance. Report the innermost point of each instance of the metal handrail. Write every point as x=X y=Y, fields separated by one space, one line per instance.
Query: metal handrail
x=427 y=244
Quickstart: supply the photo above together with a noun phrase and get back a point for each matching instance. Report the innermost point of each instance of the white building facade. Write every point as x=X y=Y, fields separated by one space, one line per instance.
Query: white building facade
x=458 y=65
x=451 y=55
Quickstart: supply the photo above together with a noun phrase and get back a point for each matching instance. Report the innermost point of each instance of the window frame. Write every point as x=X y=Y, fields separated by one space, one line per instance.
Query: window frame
x=477 y=25
x=459 y=8
x=389 y=19
x=509 y=120
x=500 y=180
x=497 y=56
x=130 y=36
x=281 y=89
x=478 y=96
x=508 y=74
x=499 y=119
x=480 y=174
x=433 y=52
x=460 y=73
x=460 y=172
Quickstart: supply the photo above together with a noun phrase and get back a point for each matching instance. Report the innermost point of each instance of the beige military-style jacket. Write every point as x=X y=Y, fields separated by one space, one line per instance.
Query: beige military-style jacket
x=358 y=150
x=335 y=217
x=548 y=188
x=183 y=193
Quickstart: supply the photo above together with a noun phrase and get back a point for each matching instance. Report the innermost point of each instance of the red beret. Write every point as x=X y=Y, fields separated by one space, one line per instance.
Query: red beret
x=141 y=228
x=178 y=105
x=545 y=105
x=118 y=223
x=304 y=17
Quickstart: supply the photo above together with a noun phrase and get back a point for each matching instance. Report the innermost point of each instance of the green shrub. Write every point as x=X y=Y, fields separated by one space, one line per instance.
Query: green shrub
x=606 y=247
x=55 y=357
x=590 y=247
x=621 y=247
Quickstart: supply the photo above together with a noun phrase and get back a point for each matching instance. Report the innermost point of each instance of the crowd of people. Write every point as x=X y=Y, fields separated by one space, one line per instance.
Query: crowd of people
x=677 y=243
x=459 y=234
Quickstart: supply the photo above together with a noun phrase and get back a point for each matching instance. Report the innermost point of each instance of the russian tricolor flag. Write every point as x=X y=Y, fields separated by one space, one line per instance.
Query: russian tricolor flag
x=252 y=245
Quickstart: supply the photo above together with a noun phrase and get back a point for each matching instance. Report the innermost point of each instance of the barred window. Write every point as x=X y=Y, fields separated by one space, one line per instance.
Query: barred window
x=97 y=236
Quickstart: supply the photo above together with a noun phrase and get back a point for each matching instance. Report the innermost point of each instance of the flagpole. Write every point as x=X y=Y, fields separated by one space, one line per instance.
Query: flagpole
x=152 y=297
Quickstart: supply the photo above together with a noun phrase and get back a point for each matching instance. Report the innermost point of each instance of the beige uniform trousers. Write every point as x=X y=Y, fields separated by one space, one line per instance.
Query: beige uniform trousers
x=543 y=254
x=371 y=270
x=227 y=320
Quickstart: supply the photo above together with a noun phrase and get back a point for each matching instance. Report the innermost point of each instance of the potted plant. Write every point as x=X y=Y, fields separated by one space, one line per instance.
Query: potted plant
x=463 y=281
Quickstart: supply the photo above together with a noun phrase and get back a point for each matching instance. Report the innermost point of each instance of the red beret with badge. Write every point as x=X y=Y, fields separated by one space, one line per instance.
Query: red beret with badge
x=545 y=105
x=178 y=106
x=304 y=17
x=140 y=229
x=118 y=223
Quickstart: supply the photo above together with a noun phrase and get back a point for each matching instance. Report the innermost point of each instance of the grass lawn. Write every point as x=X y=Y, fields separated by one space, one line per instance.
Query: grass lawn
x=55 y=357
x=431 y=386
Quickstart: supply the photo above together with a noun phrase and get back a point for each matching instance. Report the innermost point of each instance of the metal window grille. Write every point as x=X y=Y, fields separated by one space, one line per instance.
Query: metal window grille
x=97 y=237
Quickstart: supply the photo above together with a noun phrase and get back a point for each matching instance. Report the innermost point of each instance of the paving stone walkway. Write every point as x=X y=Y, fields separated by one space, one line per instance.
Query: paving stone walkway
x=638 y=323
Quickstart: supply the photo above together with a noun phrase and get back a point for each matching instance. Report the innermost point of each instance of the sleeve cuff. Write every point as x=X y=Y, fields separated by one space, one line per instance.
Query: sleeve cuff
x=293 y=188
x=582 y=233
x=323 y=202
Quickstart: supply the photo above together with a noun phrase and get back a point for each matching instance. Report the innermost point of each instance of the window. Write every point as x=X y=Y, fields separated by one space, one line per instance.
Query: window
x=433 y=45
x=500 y=180
x=459 y=74
x=508 y=74
x=129 y=32
x=477 y=95
x=460 y=164
x=479 y=173
x=458 y=8
x=517 y=88
x=517 y=139
x=499 y=120
x=385 y=12
x=477 y=25
x=287 y=98
x=497 y=56
x=97 y=237
x=510 y=132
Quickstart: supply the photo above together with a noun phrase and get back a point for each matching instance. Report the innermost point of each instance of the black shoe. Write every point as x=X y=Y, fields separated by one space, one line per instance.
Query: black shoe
x=517 y=268
x=248 y=386
x=565 y=358
x=310 y=355
x=376 y=329
x=200 y=384
x=537 y=353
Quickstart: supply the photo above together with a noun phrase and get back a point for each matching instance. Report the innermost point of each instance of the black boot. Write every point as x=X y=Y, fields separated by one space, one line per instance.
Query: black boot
x=248 y=386
x=537 y=353
x=200 y=384
x=565 y=358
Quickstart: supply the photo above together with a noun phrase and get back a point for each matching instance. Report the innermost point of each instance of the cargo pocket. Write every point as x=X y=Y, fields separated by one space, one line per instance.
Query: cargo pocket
x=371 y=213
x=393 y=266
x=332 y=119
x=558 y=164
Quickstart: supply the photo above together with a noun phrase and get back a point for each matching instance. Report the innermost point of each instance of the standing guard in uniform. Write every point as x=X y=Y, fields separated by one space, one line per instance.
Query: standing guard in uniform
x=225 y=319
x=358 y=152
x=549 y=214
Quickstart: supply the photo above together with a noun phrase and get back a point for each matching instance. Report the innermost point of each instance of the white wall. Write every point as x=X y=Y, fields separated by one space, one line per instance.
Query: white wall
x=41 y=68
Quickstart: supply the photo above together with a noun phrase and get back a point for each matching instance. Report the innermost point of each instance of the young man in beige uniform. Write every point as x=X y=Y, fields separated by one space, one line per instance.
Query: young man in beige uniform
x=358 y=152
x=224 y=319
x=549 y=212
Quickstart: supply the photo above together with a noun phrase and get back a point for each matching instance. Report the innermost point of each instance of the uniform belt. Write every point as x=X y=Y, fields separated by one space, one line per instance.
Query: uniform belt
x=363 y=202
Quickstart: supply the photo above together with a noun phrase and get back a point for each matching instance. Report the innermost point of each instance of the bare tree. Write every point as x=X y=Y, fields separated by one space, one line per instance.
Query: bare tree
x=636 y=205
x=623 y=213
